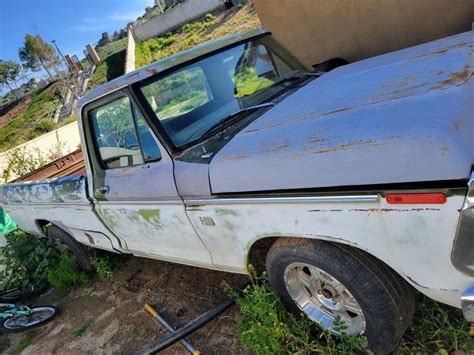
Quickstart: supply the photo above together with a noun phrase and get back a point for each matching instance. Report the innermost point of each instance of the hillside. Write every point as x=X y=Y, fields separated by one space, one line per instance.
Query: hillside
x=219 y=24
x=29 y=118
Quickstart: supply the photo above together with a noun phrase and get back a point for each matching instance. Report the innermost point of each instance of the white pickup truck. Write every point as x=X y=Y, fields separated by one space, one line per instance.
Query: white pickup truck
x=356 y=183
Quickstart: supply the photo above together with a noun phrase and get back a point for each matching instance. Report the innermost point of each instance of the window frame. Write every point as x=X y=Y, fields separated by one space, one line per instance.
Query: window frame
x=136 y=89
x=90 y=134
x=142 y=102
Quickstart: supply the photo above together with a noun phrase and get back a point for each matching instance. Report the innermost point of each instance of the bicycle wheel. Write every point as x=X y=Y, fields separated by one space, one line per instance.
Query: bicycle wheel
x=38 y=316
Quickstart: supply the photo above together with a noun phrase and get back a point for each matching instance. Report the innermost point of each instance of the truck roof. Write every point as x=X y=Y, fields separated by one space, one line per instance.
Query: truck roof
x=169 y=62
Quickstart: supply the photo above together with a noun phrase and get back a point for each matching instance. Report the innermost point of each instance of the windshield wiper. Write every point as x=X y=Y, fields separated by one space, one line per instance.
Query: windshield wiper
x=294 y=78
x=227 y=121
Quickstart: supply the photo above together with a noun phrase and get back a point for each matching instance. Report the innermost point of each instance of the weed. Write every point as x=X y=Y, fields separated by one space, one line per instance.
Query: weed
x=108 y=69
x=55 y=349
x=266 y=327
x=106 y=265
x=436 y=328
x=21 y=161
x=25 y=342
x=80 y=332
x=26 y=260
x=66 y=275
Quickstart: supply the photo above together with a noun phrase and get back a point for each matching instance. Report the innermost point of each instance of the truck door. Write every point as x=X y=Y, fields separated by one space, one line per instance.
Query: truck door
x=133 y=184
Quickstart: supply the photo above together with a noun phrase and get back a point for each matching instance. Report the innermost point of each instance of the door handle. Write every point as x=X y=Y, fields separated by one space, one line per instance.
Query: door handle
x=103 y=189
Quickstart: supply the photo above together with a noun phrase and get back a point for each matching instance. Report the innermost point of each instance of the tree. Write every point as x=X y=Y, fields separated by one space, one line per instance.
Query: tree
x=9 y=71
x=37 y=54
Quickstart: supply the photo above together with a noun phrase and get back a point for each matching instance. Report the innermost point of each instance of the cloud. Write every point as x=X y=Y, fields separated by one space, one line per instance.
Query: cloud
x=89 y=24
x=125 y=16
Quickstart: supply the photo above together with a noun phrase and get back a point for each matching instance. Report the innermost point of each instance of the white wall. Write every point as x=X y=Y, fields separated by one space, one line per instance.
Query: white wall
x=174 y=18
x=69 y=135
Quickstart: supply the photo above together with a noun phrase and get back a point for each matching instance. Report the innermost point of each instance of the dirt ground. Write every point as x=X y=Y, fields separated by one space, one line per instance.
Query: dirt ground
x=109 y=318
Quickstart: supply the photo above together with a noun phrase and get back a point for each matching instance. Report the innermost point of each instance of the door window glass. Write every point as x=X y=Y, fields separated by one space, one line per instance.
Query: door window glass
x=119 y=138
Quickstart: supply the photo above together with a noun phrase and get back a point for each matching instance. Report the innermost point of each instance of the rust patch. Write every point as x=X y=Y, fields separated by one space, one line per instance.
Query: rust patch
x=237 y=157
x=350 y=145
x=325 y=210
x=392 y=209
x=152 y=71
x=454 y=79
x=337 y=111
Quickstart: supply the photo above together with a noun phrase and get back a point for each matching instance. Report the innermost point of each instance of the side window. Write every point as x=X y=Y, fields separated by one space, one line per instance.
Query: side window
x=150 y=150
x=122 y=136
x=178 y=93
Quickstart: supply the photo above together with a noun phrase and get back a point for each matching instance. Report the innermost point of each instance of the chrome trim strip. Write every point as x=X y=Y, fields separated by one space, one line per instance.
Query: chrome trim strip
x=48 y=204
x=140 y=203
x=285 y=200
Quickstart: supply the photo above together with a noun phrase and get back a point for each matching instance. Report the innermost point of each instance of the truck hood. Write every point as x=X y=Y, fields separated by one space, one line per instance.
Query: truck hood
x=406 y=116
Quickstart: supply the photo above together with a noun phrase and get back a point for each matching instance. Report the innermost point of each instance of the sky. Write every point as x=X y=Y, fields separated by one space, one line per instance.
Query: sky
x=72 y=23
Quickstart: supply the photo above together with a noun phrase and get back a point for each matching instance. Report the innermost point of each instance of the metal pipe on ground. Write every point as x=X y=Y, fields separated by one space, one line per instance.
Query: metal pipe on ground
x=191 y=327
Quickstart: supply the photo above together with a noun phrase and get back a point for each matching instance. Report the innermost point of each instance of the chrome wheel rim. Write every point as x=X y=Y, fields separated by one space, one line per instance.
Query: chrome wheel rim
x=37 y=315
x=322 y=298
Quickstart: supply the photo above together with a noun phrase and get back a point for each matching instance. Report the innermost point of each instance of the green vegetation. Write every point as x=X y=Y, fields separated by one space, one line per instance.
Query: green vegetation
x=21 y=161
x=66 y=276
x=108 y=69
x=36 y=54
x=33 y=122
x=159 y=47
x=80 y=332
x=26 y=259
x=153 y=49
x=9 y=71
x=112 y=48
x=436 y=328
x=25 y=342
x=188 y=88
x=106 y=265
x=267 y=328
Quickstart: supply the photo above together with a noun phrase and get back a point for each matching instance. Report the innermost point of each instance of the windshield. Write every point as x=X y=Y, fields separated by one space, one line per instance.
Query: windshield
x=191 y=100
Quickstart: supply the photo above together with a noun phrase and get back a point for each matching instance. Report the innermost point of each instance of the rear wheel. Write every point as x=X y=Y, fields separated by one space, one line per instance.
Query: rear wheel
x=37 y=316
x=81 y=254
x=326 y=280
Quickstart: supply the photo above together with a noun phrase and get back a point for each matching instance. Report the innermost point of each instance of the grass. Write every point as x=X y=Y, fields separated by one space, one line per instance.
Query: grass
x=112 y=48
x=267 y=328
x=106 y=265
x=25 y=342
x=109 y=69
x=436 y=328
x=33 y=122
x=211 y=26
x=80 y=332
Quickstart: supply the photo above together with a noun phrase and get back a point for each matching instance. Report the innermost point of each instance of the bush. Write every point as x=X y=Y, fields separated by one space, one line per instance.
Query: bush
x=106 y=265
x=26 y=259
x=44 y=126
x=66 y=276
x=209 y=18
x=266 y=327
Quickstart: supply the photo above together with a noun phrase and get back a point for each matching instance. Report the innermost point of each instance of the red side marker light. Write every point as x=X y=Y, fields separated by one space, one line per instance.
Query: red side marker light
x=395 y=199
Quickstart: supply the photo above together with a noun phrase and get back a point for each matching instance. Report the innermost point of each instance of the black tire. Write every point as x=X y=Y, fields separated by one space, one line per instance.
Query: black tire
x=4 y=328
x=81 y=254
x=17 y=294
x=386 y=300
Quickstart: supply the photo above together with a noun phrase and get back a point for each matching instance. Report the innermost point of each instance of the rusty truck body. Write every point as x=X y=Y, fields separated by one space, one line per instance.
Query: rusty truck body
x=357 y=183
